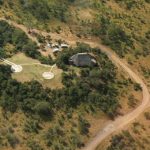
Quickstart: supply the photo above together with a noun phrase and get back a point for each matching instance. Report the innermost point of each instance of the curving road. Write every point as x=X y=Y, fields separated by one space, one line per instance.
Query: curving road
x=121 y=121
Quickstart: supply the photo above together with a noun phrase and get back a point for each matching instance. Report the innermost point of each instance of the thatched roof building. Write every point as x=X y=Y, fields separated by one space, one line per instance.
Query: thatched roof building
x=82 y=60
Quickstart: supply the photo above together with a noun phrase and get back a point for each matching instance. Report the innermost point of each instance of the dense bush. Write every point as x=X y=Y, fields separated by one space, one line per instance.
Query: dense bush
x=27 y=96
x=2 y=53
x=44 y=9
x=96 y=85
x=43 y=109
x=17 y=38
x=21 y=42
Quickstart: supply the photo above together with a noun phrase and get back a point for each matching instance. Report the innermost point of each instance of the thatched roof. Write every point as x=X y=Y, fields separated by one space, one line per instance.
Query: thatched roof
x=82 y=59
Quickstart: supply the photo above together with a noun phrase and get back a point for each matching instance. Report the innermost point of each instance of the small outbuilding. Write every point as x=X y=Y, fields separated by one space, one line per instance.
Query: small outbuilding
x=82 y=60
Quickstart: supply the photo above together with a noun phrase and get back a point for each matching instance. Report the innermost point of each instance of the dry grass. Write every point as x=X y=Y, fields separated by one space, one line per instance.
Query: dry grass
x=138 y=64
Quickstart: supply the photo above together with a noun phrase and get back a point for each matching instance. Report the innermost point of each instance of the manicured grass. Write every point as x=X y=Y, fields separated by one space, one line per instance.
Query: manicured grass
x=33 y=71
x=20 y=58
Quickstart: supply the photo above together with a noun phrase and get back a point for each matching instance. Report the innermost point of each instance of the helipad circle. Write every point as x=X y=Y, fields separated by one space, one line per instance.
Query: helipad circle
x=48 y=75
x=16 y=68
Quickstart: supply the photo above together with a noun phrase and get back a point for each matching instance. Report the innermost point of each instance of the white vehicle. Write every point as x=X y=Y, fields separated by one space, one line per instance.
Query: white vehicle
x=63 y=45
x=55 y=50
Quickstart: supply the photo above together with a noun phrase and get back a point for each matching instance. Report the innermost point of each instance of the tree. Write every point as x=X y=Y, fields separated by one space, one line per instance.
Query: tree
x=30 y=50
x=2 y=53
x=44 y=110
x=83 y=126
x=1 y=2
x=12 y=139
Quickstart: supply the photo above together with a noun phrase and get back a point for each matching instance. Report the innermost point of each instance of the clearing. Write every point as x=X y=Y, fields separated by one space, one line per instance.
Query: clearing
x=33 y=70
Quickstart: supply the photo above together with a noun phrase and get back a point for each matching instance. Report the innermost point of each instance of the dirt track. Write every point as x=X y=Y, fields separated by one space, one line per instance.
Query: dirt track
x=121 y=121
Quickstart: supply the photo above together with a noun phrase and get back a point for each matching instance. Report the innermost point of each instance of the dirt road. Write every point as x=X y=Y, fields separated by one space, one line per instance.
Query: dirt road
x=121 y=121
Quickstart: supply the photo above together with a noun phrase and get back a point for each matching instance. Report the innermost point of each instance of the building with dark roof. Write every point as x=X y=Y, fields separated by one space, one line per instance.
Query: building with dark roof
x=82 y=60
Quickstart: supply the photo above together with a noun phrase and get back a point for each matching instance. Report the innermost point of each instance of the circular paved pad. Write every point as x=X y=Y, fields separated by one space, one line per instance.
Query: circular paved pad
x=48 y=75
x=16 y=68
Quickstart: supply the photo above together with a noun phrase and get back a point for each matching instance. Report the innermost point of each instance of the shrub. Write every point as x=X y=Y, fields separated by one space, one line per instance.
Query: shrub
x=12 y=140
x=34 y=145
x=137 y=87
x=83 y=126
x=147 y=115
x=31 y=126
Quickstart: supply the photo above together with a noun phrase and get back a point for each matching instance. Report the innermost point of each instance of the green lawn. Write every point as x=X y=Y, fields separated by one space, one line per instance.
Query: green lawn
x=33 y=71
